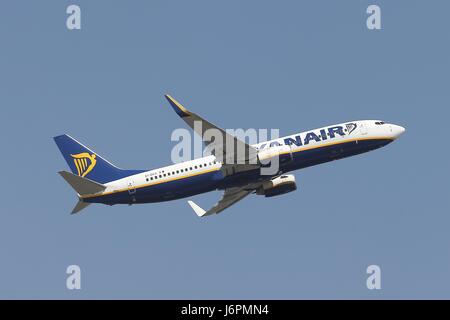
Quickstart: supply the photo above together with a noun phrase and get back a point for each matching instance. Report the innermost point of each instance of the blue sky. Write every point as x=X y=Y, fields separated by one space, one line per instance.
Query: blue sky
x=293 y=65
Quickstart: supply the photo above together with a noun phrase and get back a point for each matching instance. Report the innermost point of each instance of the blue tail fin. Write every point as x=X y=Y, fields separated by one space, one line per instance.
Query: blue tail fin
x=87 y=164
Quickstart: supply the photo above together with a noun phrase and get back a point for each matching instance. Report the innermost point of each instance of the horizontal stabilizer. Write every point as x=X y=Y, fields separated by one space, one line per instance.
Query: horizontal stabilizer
x=82 y=186
x=80 y=206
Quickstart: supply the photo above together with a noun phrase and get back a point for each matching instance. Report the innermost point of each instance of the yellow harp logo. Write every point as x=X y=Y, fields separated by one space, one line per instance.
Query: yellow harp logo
x=84 y=162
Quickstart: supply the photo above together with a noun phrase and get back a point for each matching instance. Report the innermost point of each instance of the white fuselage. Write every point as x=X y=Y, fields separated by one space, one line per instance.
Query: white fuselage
x=350 y=132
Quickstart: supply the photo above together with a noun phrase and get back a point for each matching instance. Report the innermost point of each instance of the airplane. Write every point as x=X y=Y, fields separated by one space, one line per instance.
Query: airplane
x=96 y=180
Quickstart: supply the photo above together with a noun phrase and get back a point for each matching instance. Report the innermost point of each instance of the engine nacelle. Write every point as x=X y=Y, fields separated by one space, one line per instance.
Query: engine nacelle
x=280 y=185
x=282 y=153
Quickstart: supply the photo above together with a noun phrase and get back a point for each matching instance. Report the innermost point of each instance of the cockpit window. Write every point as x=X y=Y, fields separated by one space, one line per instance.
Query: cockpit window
x=379 y=122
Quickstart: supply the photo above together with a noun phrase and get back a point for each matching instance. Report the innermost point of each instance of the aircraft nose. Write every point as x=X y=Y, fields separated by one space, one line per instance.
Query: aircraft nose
x=397 y=131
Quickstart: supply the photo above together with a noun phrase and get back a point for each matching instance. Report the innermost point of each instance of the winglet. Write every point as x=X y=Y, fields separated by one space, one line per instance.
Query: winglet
x=179 y=109
x=199 y=211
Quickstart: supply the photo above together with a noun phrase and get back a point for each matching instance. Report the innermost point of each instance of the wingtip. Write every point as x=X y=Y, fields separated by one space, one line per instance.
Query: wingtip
x=179 y=109
x=198 y=211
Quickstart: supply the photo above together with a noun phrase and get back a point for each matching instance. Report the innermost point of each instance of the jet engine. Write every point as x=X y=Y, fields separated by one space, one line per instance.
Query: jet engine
x=280 y=185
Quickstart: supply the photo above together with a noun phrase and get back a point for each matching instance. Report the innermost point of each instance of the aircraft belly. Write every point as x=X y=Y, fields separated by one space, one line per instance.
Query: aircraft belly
x=324 y=154
x=171 y=190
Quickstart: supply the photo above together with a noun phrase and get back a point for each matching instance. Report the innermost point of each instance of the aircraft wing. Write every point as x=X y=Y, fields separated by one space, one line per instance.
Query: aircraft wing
x=230 y=197
x=241 y=153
